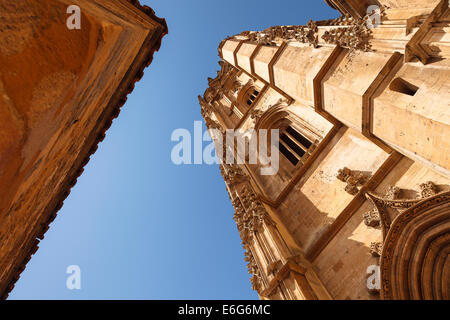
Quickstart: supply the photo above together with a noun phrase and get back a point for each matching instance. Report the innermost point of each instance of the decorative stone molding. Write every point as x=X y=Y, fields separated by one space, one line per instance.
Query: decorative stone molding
x=256 y=114
x=416 y=48
x=250 y=216
x=346 y=31
x=355 y=34
x=294 y=267
x=394 y=214
x=216 y=89
x=414 y=261
x=391 y=201
x=232 y=174
x=253 y=217
x=305 y=34
x=393 y=193
x=353 y=178
x=207 y=113
x=344 y=20
x=206 y=109
x=253 y=269
x=372 y=218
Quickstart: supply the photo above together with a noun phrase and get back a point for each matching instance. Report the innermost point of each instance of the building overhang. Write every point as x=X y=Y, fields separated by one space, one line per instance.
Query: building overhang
x=60 y=90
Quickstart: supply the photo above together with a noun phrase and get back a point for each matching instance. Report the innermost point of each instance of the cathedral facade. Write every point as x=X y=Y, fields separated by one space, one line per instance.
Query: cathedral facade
x=360 y=205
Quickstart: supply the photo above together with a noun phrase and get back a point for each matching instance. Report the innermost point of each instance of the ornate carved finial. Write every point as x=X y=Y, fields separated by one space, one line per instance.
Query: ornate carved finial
x=351 y=33
x=393 y=193
x=343 y=174
x=353 y=178
x=274 y=267
x=428 y=189
x=372 y=218
x=256 y=115
x=376 y=248
x=305 y=34
x=232 y=173
x=355 y=37
x=215 y=91
x=345 y=31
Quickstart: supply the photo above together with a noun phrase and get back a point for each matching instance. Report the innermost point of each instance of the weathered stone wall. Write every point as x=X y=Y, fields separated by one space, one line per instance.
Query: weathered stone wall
x=59 y=91
x=378 y=101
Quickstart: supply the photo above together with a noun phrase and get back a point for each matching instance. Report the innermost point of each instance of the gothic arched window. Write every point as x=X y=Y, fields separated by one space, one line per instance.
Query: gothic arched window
x=297 y=138
x=297 y=143
x=252 y=95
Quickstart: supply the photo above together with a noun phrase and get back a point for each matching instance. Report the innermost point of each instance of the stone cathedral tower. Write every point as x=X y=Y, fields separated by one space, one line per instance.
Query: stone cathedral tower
x=360 y=206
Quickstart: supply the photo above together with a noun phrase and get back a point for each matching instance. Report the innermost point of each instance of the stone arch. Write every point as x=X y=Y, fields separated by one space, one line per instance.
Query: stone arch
x=269 y=118
x=298 y=140
x=415 y=260
x=279 y=116
x=248 y=93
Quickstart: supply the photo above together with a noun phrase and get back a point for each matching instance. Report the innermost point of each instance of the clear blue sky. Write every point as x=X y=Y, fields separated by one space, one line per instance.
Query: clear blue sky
x=139 y=226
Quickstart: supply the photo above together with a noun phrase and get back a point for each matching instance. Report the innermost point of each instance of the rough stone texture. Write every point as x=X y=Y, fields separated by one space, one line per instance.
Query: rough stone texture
x=378 y=117
x=59 y=91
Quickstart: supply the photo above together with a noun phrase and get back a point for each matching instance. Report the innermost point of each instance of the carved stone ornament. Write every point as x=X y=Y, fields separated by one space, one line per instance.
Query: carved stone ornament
x=427 y=189
x=305 y=34
x=414 y=262
x=372 y=218
x=353 y=178
x=389 y=209
x=355 y=36
x=232 y=173
x=215 y=91
x=250 y=215
x=345 y=31
x=391 y=200
x=212 y=124
x=392 y=193
x=274 y=267
x=376 y=248
x=252 y=218
x=253 y=270
x=256 y=115
x=236 y=86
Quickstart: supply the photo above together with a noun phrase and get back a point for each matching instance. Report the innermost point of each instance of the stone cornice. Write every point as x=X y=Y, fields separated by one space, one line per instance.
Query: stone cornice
x=134 y=74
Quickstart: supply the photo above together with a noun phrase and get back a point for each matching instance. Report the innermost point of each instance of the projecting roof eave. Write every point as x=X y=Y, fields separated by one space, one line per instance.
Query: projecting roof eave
x=134 y=74
x=330 y=4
